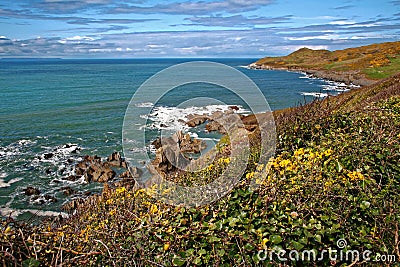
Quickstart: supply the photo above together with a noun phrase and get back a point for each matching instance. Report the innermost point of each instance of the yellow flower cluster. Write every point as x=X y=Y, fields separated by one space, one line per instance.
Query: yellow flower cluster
x=356 y=176
x=113 y=212
x=210 y=167
x=250 y=175
x=120 y=190
x=153 y=209
x=224 y=160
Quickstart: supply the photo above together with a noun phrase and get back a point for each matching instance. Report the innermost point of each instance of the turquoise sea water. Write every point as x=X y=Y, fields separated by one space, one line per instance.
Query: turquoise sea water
x=52 y=112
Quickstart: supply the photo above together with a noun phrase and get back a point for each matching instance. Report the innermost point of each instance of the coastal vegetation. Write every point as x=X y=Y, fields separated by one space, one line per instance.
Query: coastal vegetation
x=372 y=62
x=335 y=176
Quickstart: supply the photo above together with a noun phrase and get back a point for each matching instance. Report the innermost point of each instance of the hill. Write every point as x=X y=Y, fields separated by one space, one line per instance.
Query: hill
x=361 y=65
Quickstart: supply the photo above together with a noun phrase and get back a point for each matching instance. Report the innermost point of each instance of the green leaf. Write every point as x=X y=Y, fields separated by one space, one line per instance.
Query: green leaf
x=297 y=246
x=275 y=239
x=30 y=263
x=339 y=166
x=178 y=261
x=365 y=205
x=202 y=251
x=221 y=252
x=197 y=261
x=213 y=239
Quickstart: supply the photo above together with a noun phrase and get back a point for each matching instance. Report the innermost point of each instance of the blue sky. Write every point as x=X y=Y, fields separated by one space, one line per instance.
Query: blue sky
x=180 y=28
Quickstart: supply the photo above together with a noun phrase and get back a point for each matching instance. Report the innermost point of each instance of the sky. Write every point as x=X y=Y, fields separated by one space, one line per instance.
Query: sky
x=191 y=29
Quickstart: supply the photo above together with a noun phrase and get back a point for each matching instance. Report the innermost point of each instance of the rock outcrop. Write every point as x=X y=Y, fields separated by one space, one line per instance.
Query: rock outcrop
x=171 y=153
x=30 y=191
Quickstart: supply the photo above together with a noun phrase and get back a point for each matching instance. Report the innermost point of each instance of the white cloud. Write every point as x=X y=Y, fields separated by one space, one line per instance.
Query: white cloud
x=79 y=38
x=342 y=22
x=76 y=39
x=318 y=37
x=314 y=47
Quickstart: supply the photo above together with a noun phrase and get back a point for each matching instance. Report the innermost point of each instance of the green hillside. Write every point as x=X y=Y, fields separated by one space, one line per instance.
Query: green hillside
x=375 y=61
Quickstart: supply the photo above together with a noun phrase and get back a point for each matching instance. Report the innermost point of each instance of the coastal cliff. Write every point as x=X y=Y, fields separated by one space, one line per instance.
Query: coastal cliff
x=361 y=66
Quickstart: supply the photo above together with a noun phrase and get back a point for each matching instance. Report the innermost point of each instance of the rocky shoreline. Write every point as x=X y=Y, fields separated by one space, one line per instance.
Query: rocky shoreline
x=348 y=77
x=173 y=154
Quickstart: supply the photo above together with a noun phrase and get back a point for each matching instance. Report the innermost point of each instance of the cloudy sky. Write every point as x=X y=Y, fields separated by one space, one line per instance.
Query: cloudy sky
x=182 y=28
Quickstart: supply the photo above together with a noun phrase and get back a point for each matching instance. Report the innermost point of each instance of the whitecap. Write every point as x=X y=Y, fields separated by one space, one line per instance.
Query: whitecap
x=4 y=184
x=144 y=105
x=6 y=211
x=315 y=94
x=174 y=118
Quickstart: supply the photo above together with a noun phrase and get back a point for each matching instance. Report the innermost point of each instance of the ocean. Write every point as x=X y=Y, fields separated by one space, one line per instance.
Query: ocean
x=55 y=111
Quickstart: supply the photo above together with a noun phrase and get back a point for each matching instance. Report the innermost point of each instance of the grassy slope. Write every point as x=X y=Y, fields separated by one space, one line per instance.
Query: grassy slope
x=376 y=61
x=335 y=175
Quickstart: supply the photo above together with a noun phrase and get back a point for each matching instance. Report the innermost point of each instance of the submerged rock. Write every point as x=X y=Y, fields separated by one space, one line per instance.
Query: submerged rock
x=30 y=191
x=67 y=191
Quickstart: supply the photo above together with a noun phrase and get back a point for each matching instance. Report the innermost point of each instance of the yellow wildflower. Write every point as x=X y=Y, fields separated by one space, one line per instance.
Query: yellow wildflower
x=166 y=246
x=291 y=167
x=317 y=126
x=210 y=167
x=284 y=163
x=139 y=191
x=264 y=242
x=153 y=209
x=224 y=160
x=328 y=152
x=299 y=152
x=328 y=184
x=112 y=212
x=120 y=190
x=250 y=175
x=275 y=164
x=355 y=175
x=260 y=167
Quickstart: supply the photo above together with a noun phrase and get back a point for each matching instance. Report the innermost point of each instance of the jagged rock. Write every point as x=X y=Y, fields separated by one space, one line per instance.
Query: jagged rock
x=157 y=143
x=72 y=205
x=128 y=183
x=67 y=191
x=135 y=172
x=82 y=166
x=215 y=126
x=50 y=198
x=29 y=191
x=132 y=172
x=115 y=159
x=71 y=178
x=197 y=120
x=99 y=173
x=124 y=165
x=170 y=157
x=125 y=174
x=48 y=155
x=236 y=108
